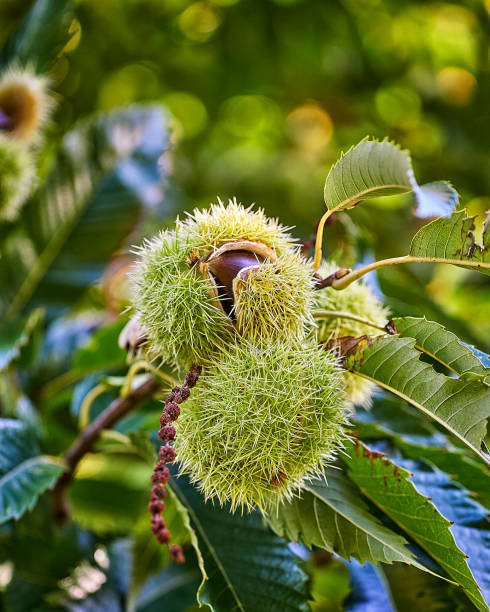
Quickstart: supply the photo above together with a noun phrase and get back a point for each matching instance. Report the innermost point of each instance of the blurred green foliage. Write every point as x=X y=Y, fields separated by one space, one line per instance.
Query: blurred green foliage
x=265 y=93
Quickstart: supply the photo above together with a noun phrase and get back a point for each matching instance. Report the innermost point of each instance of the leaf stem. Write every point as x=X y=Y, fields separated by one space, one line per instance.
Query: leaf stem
x=345 y=281
x=144 y=365
x=319 y=237
x=327 y=314
x=88 y=400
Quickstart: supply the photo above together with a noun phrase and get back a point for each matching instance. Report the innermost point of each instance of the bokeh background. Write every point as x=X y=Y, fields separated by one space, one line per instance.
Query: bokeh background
x=264 y=94
x=262 y=97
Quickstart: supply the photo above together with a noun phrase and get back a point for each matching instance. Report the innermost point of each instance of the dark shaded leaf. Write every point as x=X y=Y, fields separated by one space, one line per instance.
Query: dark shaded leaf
x=16 y=444
x=19 y=341
x=248 y=567
x=369 y=593
x=173 y=590
x=411 y=590
x=21 y=486
x=41 y=37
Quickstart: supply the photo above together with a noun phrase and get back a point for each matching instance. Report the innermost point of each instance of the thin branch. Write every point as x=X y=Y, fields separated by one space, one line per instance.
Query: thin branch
x=346 y=280
x=85 y=441
x=335 y=314
x=321 y=283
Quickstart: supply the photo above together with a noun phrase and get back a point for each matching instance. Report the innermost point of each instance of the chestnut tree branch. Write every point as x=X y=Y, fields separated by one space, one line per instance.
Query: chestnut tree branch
x=85 y=441
x=344 y=280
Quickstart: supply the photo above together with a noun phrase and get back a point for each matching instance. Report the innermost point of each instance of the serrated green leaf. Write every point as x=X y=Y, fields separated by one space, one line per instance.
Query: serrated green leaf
x=368 y=170
x=480 y=355
x=462 y=407
x=407 y=293
x=470 y=528
x=22 y=485
x=391 y=418
x=452 y=239
x=248 y=567
x=330 y=514
x=106 y=171
x=372 y=169
x=41 y=37
x=16 y=444
x=16 y=339
x=387 y=486
x=440 y=344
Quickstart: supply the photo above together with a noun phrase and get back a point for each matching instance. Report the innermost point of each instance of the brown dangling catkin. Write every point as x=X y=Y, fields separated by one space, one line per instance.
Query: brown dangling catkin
x=161 y=473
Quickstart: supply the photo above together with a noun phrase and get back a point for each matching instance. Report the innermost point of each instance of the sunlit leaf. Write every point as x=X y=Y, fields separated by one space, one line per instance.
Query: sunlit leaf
x=391 y=418
x=453 y=240
x=471 y=528
x=462 y=407
x=330 y=514
x=372 y=169
x=440 y=344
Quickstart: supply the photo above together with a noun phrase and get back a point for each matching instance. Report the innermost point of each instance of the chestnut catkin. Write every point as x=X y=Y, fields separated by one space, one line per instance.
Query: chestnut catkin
x=166 y=454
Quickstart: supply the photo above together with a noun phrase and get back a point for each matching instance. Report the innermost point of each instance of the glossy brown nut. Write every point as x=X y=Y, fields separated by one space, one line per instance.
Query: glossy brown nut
x=225 y=268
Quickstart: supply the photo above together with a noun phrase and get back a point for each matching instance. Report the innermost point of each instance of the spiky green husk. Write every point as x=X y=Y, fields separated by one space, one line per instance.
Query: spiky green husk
x=356 y=299
x=208 y=228
x=274 y=300
x=261 y=419
x=16 y=177
x=175 y=305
